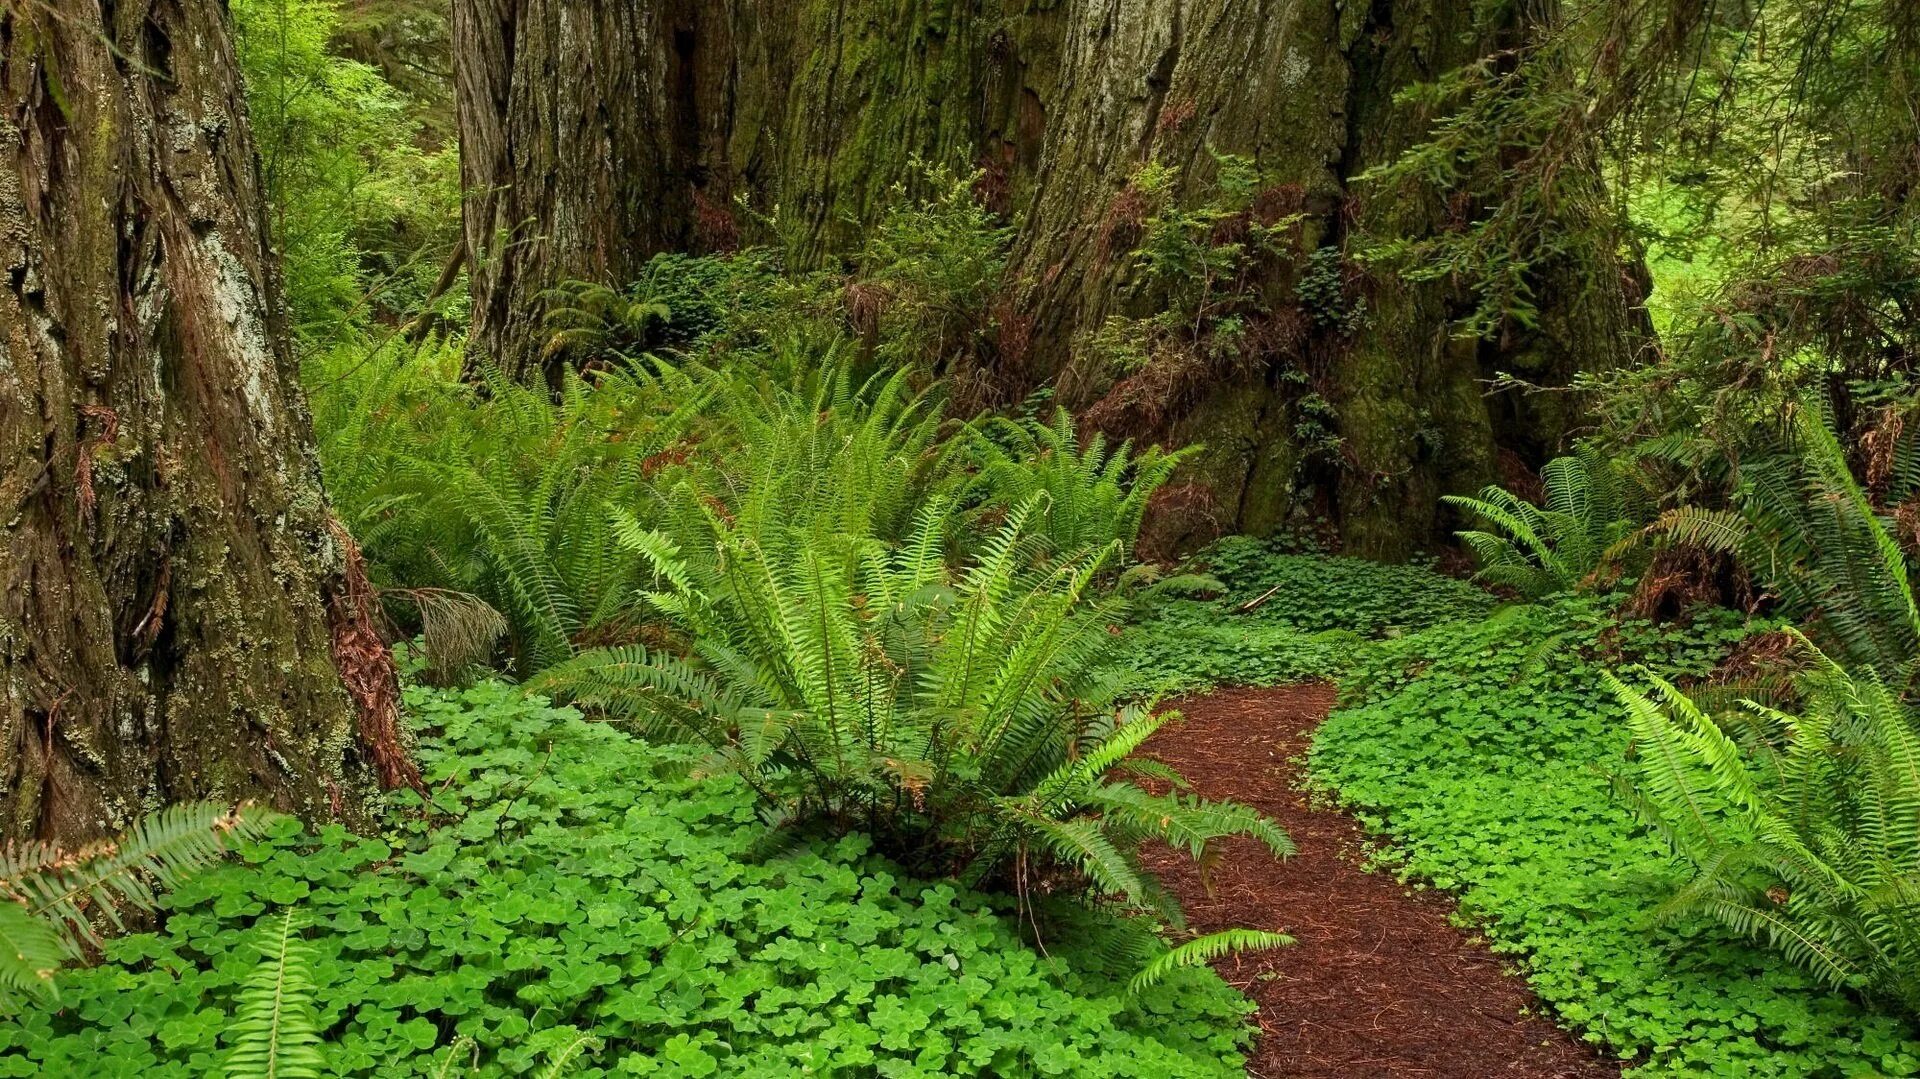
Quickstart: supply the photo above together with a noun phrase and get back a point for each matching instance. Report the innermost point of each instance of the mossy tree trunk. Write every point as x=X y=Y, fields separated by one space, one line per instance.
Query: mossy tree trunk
x=172 y=594
x=817 y=107
x=1305 y=89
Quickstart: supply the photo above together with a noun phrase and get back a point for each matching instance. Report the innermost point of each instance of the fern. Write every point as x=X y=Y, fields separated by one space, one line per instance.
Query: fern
x=1809 y=839
x=589 y=322
x=461 y=1046
x=157 y=852
x=490 y=505
x=864 y=667
x=276 y=1028
x=31 y=953
x=559 y=1059
x=1091 y=494
x=1563 y=546
x=1201 y=950
x=1803 y=524
x=58 y=898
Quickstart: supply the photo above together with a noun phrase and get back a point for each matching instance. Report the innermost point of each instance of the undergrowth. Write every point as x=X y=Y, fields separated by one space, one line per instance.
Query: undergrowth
x=580 y=882
x=1480 y=742
x=1275 y=615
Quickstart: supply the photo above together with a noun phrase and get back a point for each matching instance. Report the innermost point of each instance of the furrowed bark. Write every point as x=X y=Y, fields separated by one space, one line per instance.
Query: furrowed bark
x=815 y=108
x=170 y=586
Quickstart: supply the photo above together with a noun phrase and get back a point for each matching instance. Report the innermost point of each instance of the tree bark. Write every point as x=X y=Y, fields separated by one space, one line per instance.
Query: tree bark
x=566 y=114
x=815 y=108
x=175 y=609
x=1306 y=90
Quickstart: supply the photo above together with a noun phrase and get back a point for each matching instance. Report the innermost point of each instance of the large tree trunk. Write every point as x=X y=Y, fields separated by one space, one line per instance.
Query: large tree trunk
x=566 y=113
x=177 y=612
x=817 y=107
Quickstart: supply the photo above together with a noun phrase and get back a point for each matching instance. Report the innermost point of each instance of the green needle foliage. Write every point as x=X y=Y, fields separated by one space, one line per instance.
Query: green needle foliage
x=1805 y=833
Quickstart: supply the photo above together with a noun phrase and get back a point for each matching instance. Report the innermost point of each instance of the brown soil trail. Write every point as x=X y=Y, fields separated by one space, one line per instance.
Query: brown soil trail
x=1379 y=983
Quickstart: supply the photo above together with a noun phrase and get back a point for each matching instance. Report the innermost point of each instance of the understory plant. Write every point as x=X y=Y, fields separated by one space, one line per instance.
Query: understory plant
x=966 y=716
x=485 y=507
x=276 y=1026
x=54 y=903
x=1803 y=828
x=573 y=889
x=1561 y=546
x=830 y=628
x=1826 y=545
x=1090 y=493
x=1476 y=739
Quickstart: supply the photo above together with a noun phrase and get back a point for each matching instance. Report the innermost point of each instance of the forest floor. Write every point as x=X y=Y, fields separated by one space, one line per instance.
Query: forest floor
x=1380 y=981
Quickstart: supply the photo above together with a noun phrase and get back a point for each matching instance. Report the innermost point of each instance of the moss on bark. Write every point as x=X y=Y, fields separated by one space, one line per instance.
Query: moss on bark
x=168 y=560
x=816 y=107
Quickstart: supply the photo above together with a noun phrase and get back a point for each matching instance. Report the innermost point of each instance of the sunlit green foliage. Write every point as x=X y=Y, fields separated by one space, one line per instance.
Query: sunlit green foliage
x=829 y=645
x=498 y=491
x=1274 y=615
x=361 y=210
x=276 y=1027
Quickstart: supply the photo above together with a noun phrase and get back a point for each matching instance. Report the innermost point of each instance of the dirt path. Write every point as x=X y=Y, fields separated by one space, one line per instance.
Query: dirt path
x=1379 y=984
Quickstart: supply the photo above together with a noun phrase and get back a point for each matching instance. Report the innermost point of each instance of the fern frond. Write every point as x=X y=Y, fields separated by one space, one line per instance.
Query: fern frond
x=1202 y=950
x=450 y=1057
x=157 y=852
x=559 y=1059
x=31 y=953
x=276 y=1029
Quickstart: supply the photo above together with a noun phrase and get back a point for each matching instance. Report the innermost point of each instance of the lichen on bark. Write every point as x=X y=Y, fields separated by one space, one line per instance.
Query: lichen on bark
x=166 y=560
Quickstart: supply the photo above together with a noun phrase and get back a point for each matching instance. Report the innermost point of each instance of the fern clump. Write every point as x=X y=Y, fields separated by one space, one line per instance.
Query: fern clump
x=1824 y=544
x=1090 y=494
x=1562 y=546
x=484 y=509
x=1803 y=828
x=965 y=716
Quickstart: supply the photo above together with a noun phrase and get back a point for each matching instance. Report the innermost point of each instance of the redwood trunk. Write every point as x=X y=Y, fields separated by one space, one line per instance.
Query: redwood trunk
x=173 y=595
x=565 y=113
x=816 y=107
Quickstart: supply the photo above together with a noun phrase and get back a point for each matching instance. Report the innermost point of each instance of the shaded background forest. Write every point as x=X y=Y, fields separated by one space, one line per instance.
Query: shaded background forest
x=861 y=412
